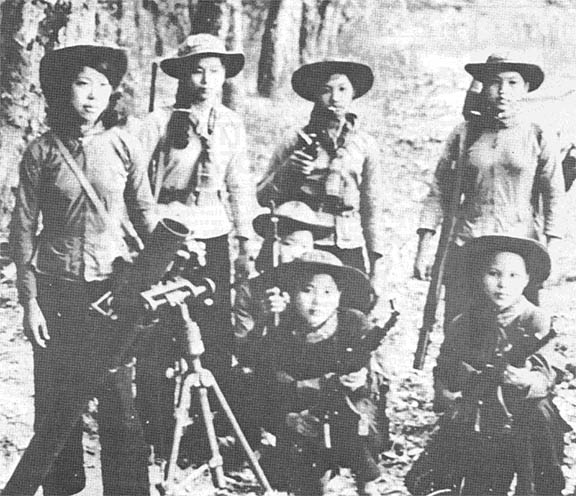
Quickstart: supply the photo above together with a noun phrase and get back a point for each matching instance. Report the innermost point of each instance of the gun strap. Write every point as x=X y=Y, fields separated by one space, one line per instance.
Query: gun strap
x=93 y=195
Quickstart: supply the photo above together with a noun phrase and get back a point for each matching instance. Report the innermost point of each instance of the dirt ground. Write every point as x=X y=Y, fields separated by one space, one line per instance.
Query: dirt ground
x=410 y=121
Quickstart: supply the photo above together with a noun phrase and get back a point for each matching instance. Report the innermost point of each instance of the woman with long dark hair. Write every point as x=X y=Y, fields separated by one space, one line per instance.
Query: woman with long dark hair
x=66 y=267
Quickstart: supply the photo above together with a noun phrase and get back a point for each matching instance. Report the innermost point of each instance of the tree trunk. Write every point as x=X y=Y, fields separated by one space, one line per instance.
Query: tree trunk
x=280 y=54
x=30 y=28
x=298 y=32
x=222 y=18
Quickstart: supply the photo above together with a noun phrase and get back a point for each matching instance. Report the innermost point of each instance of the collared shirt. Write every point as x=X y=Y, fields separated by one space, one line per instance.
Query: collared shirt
x=76 y=242
x=222 y=189
x=362 y=187
x=512 y=174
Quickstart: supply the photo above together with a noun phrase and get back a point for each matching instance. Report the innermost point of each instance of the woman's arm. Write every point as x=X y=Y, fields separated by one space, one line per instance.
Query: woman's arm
x=23 y=242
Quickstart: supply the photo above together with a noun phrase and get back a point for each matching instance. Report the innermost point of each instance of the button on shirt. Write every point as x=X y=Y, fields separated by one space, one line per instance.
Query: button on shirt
x=512 y=175
x=223 y=189
x=363 y=183
x=76 y=242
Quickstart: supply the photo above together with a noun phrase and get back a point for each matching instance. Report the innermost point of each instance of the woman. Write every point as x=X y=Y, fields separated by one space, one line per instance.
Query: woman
x=498 y=373
x=314 y=372
x=510 y=173
x=68 y=265
x=199 y=167
x=334 y=166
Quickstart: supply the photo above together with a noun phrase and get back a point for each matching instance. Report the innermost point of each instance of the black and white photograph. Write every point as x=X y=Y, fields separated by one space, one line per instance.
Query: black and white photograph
x=287 y=247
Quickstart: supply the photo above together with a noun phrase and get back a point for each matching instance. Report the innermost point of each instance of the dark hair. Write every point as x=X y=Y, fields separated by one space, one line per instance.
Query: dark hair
x=61 y=116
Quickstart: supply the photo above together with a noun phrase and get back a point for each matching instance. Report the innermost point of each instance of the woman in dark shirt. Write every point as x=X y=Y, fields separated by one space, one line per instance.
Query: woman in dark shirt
x=68 y=265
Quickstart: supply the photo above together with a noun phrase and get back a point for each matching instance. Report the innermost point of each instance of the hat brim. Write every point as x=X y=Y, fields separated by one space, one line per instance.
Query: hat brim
x=535 y=255
x=55 y=62
x=264 y=227
x=308 y=80
x=531 y=73
x=355 y=286
x=181 y=67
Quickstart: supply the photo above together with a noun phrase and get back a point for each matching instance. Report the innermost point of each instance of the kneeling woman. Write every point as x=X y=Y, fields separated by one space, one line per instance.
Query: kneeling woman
x=69 y=264
x=499 y=371
x=316 y=375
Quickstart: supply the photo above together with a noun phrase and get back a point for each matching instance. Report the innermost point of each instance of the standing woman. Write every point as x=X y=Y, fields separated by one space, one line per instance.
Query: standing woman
x=510 y=172
x=199 y=167
x=333 y=165
x=66 y=267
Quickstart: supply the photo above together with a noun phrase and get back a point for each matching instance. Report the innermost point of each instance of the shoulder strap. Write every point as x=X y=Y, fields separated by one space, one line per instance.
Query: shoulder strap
x=91 y=192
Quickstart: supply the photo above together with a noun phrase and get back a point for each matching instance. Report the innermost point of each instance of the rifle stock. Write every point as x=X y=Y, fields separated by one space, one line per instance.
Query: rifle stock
x=437 y=276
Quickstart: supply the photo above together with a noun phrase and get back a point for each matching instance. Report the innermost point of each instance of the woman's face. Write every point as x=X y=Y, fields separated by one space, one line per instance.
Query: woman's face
x=294 y=245
x=206 y=80
x=505 y=89
x=504 y=279
x=317 y=299
x=90 y=94
x=337 y=94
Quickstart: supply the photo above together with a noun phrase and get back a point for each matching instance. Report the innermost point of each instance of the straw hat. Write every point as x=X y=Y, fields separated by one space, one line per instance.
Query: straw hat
x=310 y=78
x=535 y=254
x=502 y=62
x=293 y=216
x=197 y=46
x=353 y=283
x=55 y=65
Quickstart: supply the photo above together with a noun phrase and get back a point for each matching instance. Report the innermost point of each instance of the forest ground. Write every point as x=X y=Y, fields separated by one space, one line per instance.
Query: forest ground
x=410 y=117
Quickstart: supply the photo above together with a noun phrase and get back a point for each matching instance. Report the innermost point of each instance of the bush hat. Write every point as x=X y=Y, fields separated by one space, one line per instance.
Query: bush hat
x=310 y=78
x=353 y=283
x=534 y=253
x=56 y=65
x=293 y=216
x=197 y=46
x=502 y=62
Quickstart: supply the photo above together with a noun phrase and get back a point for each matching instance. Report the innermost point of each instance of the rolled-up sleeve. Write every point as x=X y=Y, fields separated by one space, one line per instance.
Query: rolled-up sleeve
x=372 y=207
x=551 y=183
x=438 y=197
x=241 y=185
x=277 y=182
x=24 y=223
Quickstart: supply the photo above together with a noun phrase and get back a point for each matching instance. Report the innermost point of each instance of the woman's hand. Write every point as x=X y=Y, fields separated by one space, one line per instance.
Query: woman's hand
x=354 y=380
x=275 y=301
x=304 y=423
x=521 y=377
x=302 y=162
x=35 y=327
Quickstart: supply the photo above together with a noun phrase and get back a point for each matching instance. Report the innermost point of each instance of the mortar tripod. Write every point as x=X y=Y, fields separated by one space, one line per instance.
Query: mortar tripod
x=175 y=293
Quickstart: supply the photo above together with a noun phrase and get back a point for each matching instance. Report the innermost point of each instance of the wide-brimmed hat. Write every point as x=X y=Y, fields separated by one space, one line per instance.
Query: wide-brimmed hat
x=503 y=62
x=353 y=283
x=293 y=216
x=534 y=253
x=197 y=46
x=57 y=63
x=308 y=80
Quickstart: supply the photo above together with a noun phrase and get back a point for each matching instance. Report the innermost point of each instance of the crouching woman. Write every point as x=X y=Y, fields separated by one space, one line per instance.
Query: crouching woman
x=499 y=367
x=316 y=374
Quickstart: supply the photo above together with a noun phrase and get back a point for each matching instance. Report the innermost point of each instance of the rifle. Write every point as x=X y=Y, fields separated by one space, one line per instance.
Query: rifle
x=333 y=397
x=274 y=219
x=153 y=87
x=486 y=385
x=123 y=304
x=437 y=276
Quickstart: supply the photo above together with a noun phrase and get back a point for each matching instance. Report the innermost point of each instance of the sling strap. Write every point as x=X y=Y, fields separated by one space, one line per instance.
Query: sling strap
x=133 y=239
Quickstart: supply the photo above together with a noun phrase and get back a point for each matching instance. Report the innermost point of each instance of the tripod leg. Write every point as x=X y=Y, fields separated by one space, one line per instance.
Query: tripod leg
x=182 y=419
x=216 y=461
x=260 y=475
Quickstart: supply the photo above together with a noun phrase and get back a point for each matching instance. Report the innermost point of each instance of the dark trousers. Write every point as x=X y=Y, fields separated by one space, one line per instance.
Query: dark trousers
x=162 y=345
x=81 y=343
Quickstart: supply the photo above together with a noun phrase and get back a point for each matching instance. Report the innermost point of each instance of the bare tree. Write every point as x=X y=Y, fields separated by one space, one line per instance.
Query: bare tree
x=222 y=18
